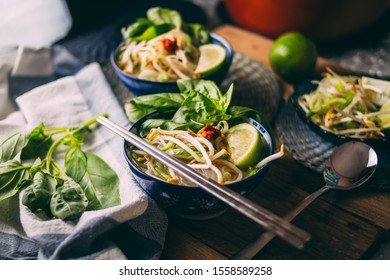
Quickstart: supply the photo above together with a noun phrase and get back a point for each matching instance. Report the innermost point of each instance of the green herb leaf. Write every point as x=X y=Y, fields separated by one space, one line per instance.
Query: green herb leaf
x=146 y=104
x=68 y=201
x=12 y=146
x=206 y=87
x=200 y=102
x=239 y=114
x=38 y=194
x=137 y=28
x=161 y=123
x=153 y=31
x=12 y=175
x=198 y=108
x=159 y=16
x=135 y=112
x=210 y=90
x=227 y=98
x=198 y=33
x=99 y=182
x=38 y=144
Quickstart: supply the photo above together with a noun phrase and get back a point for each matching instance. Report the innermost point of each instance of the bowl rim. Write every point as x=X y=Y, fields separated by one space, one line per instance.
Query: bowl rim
x=214 y=36
x=305 y=87
x=260 y=127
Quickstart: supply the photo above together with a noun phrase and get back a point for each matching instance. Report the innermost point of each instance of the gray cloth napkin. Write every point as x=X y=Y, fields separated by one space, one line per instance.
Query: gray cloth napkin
x=133 y=230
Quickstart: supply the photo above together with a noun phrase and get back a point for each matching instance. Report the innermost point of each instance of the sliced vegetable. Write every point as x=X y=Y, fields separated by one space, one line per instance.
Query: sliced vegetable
x=349 y=105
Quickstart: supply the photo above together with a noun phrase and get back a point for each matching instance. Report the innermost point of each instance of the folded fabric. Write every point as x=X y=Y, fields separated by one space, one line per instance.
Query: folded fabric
x=34 y=23
x=135 y=229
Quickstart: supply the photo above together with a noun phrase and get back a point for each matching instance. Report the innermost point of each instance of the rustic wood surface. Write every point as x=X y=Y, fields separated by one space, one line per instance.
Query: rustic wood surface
x=343 y=225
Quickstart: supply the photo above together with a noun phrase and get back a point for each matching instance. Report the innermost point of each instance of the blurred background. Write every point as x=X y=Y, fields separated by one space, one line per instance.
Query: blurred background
x=354 y=33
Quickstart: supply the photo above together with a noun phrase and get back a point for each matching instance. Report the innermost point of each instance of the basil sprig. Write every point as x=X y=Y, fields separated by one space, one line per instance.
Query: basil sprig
x=160 y=20
x=198 y=103
x=87 y=183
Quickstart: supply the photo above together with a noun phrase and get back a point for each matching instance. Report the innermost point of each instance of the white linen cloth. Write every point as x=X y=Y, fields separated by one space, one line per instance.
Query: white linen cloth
x=134 y=229
x=35 y=23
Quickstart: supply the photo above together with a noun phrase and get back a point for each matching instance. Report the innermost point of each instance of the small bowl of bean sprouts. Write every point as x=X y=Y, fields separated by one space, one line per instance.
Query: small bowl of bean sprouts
x=206 y=152
x=346 y=107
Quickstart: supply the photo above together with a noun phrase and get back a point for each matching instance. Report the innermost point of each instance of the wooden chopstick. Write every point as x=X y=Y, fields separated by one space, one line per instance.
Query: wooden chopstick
x=268 y=220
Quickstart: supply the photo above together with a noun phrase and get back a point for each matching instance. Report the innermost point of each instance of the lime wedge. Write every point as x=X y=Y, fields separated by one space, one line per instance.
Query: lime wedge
x=244 y=145
x=385 y=118
x=377 y=90
x=211 y=58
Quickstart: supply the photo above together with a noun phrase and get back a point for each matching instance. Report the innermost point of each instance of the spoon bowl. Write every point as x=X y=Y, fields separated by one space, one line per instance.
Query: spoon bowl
x=349 y=166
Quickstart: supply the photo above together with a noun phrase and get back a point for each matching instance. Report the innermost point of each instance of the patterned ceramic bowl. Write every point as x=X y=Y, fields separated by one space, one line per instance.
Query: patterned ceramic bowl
x=141 y=86
x=189 y=201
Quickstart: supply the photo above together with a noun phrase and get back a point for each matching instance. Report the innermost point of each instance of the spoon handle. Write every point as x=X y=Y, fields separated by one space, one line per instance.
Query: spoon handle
x=253 y=248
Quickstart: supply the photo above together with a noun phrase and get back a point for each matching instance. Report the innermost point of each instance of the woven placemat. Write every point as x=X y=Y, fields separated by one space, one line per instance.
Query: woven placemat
x=312 y=150
x=254 y=86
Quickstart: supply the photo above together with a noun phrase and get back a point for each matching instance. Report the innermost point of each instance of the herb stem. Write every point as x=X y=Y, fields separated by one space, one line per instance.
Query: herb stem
x=91 y=121
x=59 y=129
x=49 y=156
x=17 y=169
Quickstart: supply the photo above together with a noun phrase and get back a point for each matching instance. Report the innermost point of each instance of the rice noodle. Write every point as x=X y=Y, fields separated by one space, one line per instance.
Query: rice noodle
x=197 y=152
x=179 y=62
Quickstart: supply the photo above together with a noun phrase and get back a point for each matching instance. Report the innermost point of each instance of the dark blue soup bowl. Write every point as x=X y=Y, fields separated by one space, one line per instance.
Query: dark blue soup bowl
x=189 y=201
x=141 y=87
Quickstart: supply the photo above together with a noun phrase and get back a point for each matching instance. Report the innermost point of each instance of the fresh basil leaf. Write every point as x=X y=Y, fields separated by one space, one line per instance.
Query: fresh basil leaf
x=143 y=105
x=198 y=33
x=135 y=112
x=38 y=144
x=36 y=166
x=161 y=100
x=12 y=175
x=159 y=16
x=68 y=201
x=240 y=113
x=12 y=146
x=206 y=87
x=97 y=179
x=227 y=98
x=198 y=108
x=153 y=31
x=160 y=123
x=137 y=28
x=38 y=194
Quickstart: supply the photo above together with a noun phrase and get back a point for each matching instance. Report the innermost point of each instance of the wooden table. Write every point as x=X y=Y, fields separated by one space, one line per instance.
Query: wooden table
x=343 y=225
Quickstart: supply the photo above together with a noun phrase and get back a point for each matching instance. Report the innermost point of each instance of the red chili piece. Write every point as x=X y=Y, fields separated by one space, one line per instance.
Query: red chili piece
x=209 y=132
x=169 y=45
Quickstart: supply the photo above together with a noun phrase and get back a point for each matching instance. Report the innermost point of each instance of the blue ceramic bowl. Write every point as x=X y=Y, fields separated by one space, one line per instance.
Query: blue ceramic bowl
x=188 y=201
x=140 y=86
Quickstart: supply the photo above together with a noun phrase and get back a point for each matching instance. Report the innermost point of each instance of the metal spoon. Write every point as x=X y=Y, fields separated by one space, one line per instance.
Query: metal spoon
x=349 y=166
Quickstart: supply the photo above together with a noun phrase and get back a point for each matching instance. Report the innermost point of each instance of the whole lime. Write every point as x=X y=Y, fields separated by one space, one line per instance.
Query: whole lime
x=293 y=56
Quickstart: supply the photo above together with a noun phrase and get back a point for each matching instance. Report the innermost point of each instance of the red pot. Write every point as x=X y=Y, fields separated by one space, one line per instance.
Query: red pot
x=320 y=19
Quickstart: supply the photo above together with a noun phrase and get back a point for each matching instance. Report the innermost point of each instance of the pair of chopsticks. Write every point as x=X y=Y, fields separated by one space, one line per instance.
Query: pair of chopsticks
x=273 y=223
